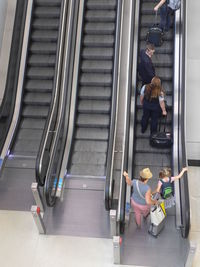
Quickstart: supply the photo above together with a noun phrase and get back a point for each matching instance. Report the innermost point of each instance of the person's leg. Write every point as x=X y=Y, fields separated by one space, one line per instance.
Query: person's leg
x=145 y=118
x=137 y=211
x=163 y=16
x=145 y=210
x=155 y=114
x=168 y=19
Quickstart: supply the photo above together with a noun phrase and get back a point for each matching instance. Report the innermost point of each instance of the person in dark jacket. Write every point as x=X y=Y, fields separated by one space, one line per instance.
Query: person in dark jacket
x=146 y=69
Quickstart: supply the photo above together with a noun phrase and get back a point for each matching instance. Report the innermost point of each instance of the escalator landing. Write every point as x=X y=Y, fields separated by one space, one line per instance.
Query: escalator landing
x=141 y=249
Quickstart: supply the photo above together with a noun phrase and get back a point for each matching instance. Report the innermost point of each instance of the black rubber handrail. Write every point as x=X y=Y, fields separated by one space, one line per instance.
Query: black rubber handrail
x=55 y=160
x=43 y=156
x=184 y=192
x=8 y=102
x=109 y=184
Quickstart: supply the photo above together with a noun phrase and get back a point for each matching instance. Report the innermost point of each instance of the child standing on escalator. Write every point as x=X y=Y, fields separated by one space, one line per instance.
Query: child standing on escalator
x=165 y=186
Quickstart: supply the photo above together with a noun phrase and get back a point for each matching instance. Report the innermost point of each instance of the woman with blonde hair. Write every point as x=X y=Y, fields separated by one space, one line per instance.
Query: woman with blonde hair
x=152 y=100
x=141 y=197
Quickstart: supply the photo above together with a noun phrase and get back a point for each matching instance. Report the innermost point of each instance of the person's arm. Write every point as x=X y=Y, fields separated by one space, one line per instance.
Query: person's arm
x=148 y=198
x=128 y=180
x=159 y=5
x=142 y=94
x=157 y=190
x=162 y=105
x=181 y=173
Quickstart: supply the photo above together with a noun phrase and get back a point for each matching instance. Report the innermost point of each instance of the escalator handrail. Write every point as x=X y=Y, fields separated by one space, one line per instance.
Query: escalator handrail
x=16 y=115
x=129 y=129
x=110 y=153
x=7 y=105
x=185 y=204
x=50 y=188
x=43 y=155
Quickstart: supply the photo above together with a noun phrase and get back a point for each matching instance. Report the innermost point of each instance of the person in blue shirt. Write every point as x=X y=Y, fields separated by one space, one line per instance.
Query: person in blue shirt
x=145 y=68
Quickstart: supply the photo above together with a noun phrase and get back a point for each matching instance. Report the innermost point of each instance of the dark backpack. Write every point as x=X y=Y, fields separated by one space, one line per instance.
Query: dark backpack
x=166 y=189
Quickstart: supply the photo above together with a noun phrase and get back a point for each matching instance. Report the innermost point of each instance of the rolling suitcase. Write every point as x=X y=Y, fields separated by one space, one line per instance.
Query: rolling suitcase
x=157 y=220
x=161 y=139
x=155 y=34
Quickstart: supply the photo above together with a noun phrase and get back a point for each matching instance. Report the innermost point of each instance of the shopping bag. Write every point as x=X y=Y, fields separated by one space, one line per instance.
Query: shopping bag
x=157 y=215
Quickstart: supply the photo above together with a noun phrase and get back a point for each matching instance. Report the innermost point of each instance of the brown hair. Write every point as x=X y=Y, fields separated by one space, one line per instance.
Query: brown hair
x=165 y=172
x=150 y=46
x=153 y=89
x=143 y=179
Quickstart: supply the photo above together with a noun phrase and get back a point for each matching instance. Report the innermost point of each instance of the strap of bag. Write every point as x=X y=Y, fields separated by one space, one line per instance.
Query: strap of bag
x=139 y=190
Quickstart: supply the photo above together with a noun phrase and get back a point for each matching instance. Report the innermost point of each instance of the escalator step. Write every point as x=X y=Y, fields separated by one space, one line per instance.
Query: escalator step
x=37 y=99
x=147 y=9
x=101 y=4
x=47 y=12
x=42 y=60
x=39 y=85
x=40 y=73
x=97 y=53
x=35 y=112
x=43 y=48
x=89 y=157
x=30 y=134
x=23 y=147
x=48 y=2
x=28 y=123
x=94 y=106
x=93 y=134
x=44 y=36
x=100 y=16
x=164 y=73
x=87 y=169
x=99 y=28
x=99 y=40
x=97 y=79
x=46 y=24
x=164 y=60
x=101 y=93
x=93 y=120
x=100 y=66
x=90 y=145
x=151 y=159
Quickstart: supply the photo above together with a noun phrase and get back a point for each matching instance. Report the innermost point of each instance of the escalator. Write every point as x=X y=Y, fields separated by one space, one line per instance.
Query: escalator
x=90 y=121
x=168 y=62
x=37 y=94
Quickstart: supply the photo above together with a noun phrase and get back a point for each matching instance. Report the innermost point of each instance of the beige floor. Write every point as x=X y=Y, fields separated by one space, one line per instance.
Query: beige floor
x=22 y=246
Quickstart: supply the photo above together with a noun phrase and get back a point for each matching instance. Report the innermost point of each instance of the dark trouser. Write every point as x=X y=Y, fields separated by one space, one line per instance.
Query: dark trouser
x=165 y=13
x=153 y=111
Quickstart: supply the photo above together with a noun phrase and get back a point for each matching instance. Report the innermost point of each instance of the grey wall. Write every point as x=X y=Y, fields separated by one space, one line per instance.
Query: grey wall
x=3 y=8
x=193 y=80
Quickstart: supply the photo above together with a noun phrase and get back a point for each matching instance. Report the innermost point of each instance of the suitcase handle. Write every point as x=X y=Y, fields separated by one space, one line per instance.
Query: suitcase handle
x=156 y=18
x=165 y=122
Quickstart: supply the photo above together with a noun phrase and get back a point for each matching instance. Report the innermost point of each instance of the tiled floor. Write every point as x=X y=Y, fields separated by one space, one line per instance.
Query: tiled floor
x=22 y=246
